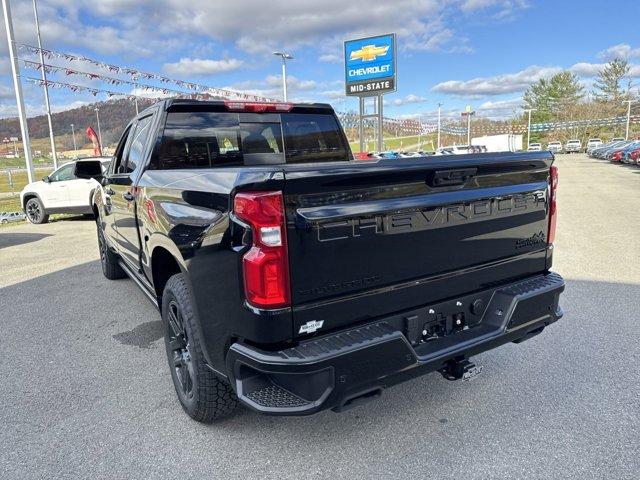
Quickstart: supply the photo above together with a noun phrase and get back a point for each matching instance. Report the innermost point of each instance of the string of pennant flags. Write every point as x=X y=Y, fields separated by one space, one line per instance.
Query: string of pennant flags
x=109 y=93
x=103 y=78
x=136 y=75
x=409 y=126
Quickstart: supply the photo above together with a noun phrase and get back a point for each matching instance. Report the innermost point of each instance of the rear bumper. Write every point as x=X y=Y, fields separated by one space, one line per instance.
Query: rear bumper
x=342 y=369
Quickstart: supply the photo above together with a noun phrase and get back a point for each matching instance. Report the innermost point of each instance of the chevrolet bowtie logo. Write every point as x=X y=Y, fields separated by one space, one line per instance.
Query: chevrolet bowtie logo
x=368 y=53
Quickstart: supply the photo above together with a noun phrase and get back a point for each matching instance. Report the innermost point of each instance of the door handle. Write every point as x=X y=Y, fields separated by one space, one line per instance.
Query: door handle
x=128 y=196
x=108 y=191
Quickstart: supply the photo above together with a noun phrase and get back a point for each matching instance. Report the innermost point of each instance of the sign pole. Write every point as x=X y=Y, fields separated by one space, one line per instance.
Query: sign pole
x=15 y=71
x=380 y=125
x=360 y=123
x=43 y=71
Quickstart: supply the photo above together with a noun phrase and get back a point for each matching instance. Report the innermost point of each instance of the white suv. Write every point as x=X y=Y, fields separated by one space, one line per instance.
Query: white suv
x=573 y=146
x=63 y=191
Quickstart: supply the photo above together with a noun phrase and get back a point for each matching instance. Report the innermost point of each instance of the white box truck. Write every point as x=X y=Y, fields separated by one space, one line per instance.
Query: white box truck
x=506 y=142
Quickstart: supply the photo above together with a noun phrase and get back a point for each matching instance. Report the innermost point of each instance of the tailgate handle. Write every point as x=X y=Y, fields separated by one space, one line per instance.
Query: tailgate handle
x=445 y=178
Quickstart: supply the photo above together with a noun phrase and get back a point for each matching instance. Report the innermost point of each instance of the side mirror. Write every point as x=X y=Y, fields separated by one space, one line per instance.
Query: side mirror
x=104 y=181
x=46 y=179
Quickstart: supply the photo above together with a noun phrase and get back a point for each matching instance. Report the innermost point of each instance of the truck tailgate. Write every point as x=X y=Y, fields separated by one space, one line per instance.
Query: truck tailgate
x=372 y=238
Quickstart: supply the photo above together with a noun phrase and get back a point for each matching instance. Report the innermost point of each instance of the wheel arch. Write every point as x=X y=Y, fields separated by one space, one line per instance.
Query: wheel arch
x=28 y=196
x=164 y=264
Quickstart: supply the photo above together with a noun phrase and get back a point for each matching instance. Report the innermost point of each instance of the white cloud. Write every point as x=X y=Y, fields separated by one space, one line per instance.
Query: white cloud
x=198 y=66
x=293 y=83
x=499 y=109
x=408 y=100
x=622 y=50
x=256 y=27
x=496 y=85
x=334 y=94
x=586 y=69
x=330 y=58
x=6 y=92
x=503 y=8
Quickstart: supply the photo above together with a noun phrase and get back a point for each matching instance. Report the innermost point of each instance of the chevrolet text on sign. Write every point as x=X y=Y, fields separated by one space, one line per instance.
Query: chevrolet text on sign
x=370 y=65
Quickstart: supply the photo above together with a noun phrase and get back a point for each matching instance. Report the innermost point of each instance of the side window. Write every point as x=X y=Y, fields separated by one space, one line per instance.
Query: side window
x=114 y=166
x=139 y=141
x=63 y=173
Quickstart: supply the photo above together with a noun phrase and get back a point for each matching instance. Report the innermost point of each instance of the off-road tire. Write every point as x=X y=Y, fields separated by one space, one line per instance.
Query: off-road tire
x=108 y=260
x=35 y=211
x=210 y=397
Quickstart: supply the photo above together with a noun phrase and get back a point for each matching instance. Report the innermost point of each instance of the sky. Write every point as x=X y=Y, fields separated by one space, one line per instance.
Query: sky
x=482 y=53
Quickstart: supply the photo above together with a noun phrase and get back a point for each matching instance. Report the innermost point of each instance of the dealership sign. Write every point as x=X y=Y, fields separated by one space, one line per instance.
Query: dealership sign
x=370 y=65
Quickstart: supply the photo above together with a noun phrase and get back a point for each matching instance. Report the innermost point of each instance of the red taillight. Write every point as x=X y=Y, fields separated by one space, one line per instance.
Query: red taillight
x=635 y=154
x=257 y=107
x=553 y=206
x=617 y=155
x=265 y=265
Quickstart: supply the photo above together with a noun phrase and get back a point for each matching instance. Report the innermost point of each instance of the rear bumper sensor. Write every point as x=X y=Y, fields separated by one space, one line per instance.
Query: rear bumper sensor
x=346 y=368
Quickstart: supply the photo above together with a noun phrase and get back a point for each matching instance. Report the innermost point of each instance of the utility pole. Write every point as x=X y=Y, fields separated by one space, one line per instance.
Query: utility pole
x=285 y=57
x=419 y=130
x=15 y=71
x=439 y=107
x=628 y=102
x=99 y=132
x=468 y=112
x=45 y=87
x=529 y=110
x=75 y=147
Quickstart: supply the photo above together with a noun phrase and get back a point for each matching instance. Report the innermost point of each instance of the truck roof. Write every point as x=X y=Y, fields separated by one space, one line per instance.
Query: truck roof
x=221 y=105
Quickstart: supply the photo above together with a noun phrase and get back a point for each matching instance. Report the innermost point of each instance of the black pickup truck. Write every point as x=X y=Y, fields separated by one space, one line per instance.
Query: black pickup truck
x=294 y=279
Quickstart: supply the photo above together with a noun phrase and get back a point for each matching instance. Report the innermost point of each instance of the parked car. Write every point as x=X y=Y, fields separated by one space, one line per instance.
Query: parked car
x=293 y=279
x=626 y=150
x=554 y=147
x=593 y=143
x=634 y=156
x=573 y=146
x=606 y=152
x=453 y=150
x=602 y=151
x=9 y=217
x=534 y=147
x=63 y=191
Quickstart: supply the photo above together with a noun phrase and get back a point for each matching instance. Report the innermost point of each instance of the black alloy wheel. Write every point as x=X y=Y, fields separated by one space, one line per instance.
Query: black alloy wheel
x=180 y=351
x=35 y=211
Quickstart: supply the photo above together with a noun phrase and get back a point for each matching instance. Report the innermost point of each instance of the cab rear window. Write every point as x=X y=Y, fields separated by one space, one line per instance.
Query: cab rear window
x=217 y=139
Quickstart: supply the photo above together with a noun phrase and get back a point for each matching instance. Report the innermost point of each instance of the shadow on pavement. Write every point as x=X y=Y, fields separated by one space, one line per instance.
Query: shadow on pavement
x=11 y=239
x=90 y=343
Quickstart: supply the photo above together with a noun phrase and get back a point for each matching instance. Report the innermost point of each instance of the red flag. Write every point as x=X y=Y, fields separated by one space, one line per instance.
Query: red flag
x=97 y=148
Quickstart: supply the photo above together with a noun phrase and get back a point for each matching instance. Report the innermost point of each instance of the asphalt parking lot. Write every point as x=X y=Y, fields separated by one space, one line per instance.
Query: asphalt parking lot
x=86 y=391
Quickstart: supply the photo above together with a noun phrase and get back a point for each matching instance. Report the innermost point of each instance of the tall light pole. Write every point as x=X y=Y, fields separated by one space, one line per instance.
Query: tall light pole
x=468 y=112
x=628 y=102
x=45 y=87
x=285 y=57
x=15 y=71
x=529 y=110
x=75 y=147
x=439 y=107
x=419 y=130
x=99 y=132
